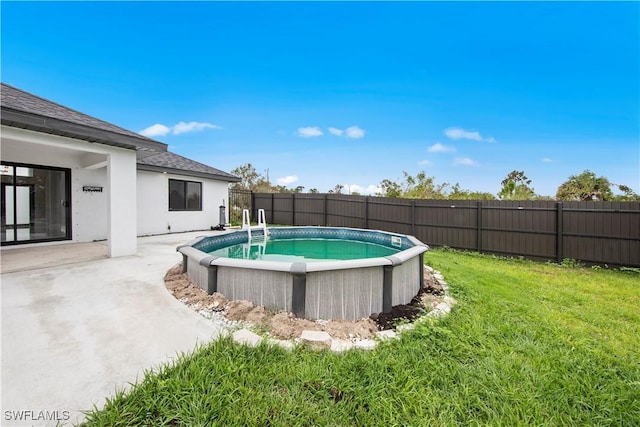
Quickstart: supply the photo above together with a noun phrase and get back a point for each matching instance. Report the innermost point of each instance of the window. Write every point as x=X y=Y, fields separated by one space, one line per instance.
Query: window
x=185 y=195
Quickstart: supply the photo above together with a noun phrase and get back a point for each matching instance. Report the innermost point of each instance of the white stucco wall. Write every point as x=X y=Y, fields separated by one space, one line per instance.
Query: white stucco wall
x=93 y=215
x=89 y=208
x=154 y=216
x=121 y=216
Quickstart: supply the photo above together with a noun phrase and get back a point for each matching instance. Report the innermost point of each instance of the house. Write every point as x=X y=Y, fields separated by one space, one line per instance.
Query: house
x=67 y=176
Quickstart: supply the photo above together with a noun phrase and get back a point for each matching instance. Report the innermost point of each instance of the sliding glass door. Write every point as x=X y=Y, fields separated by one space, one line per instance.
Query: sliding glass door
x=35 y=203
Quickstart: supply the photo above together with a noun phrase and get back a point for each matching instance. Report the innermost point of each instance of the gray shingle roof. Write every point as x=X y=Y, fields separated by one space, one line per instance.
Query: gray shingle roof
x=24 y=110
x=173 y=163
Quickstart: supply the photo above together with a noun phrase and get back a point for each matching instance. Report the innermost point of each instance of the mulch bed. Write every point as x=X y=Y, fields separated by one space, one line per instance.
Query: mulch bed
x=403 y=313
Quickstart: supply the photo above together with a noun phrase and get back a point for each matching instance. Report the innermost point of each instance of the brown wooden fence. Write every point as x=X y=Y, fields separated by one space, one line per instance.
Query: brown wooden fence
x=592 y=232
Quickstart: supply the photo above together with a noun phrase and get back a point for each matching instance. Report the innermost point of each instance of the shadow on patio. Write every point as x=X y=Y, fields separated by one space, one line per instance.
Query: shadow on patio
x=35 y=257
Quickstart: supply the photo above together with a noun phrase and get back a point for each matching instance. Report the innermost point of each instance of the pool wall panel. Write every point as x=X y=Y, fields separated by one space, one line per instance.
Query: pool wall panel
x=271 y=289
x=344 y=294
x=406 y=281
x=198 y=274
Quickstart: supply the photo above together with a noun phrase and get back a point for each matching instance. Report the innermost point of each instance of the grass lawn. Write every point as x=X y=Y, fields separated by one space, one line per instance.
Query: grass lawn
x=527 y=344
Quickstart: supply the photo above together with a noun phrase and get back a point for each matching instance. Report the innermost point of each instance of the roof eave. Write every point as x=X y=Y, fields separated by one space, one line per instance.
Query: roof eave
x=35 y=122
x=162 y=169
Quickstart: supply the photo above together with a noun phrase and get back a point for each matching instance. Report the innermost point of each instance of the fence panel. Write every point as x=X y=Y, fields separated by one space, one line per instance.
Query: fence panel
x=262 y=201
x=282 y=208
x=389 y=214
x=525 y=228
x=597 y=232
x=309 y=209
x=602 y=232
x=238 y=200
x=345 y=211
x=447 y=223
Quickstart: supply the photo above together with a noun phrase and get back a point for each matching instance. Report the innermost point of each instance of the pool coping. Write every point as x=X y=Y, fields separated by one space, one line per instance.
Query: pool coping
x=205 y=259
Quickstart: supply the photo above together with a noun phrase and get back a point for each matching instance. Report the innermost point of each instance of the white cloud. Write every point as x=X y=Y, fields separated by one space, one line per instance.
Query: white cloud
x=355 y=188
x=309 y=131
x=459 y=133
x=354 y=132
x=286 y=180
x=440 y=148
x=465 y=161
x=155 y=130
x=546 y=160
x=184 y=127
x=425 y=162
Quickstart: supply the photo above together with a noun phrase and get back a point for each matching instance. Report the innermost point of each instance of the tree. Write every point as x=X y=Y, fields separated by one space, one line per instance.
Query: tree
x=248 y=175
x=628 y=195
x=279 y=189
x=422 y=186
x=516 y=186
x=458 y=193
x=251 y=180
x=337 y=189
x=390 y=188
x=585 y=187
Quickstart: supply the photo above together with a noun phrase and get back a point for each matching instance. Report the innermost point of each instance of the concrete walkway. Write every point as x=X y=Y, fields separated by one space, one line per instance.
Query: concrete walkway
x=72 y=334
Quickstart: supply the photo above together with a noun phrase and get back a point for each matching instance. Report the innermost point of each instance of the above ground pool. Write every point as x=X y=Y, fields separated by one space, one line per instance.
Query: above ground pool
x=304 y=250
x=314 y=272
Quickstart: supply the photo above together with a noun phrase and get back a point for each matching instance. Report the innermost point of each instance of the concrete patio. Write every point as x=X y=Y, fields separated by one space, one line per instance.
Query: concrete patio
x=76 y=326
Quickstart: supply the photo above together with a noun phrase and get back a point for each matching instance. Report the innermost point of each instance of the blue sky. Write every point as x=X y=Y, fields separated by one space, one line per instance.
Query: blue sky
x=330 y=93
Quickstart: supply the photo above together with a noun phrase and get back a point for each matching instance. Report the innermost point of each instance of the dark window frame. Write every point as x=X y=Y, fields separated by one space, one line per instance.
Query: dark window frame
x=184 y=205
x=68 y=204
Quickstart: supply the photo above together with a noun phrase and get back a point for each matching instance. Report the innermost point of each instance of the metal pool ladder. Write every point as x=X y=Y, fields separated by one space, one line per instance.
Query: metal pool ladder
x=262 y=223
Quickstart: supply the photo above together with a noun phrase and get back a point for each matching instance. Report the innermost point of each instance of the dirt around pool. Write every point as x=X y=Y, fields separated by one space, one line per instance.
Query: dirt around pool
x=284 y=325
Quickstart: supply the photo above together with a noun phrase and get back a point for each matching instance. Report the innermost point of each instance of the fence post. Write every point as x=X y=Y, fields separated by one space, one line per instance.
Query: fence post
x=325 y=209
x=366 y=212
x=293 y=208
x=479 y=224
x=413 y=217
x=559 y=220
x=252 y=200
x=273 y=211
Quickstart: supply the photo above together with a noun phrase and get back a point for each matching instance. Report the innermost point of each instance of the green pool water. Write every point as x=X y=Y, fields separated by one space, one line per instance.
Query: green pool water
x=304 y=250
